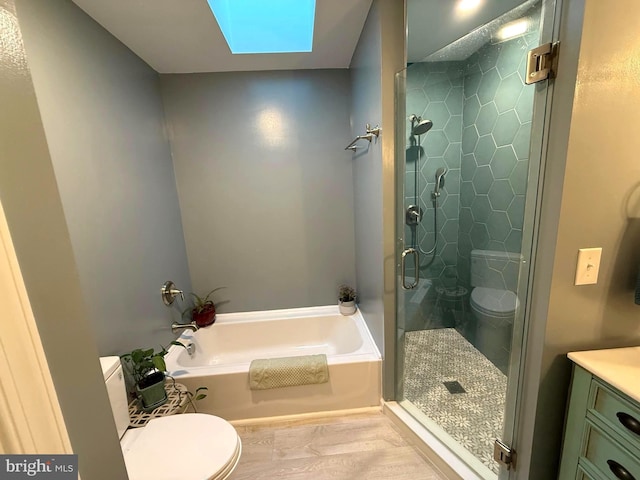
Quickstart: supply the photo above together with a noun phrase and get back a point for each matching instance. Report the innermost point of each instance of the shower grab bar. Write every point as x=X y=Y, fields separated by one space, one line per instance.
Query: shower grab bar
x=371 y=133
x=403 y=268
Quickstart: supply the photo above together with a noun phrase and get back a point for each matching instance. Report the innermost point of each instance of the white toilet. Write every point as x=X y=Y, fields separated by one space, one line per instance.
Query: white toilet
x=494 y=278
x=199 y=446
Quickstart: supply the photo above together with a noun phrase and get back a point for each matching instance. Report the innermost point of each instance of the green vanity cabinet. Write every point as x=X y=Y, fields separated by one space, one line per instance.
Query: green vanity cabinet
x=602 y=431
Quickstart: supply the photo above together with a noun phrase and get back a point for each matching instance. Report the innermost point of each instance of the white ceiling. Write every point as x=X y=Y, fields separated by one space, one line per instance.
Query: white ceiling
x=435 y=24
x=182 y=36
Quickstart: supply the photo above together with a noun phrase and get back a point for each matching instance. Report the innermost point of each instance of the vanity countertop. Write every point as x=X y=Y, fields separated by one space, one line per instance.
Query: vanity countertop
x=619 y=367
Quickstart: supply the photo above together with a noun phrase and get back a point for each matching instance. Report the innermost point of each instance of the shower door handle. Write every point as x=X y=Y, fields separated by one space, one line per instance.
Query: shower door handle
x=403 y=268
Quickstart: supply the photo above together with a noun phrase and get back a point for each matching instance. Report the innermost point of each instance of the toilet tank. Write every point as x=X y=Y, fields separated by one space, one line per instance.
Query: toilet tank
x=494 y=269
x=114 y=379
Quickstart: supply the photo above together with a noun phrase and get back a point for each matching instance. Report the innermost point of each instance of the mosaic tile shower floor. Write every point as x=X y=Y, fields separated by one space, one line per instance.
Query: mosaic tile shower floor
x=473 y=419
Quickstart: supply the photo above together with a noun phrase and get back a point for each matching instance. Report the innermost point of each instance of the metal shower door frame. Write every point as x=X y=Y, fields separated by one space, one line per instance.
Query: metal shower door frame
x=543 y=97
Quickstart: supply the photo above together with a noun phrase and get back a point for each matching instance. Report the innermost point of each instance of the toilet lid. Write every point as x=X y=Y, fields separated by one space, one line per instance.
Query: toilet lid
x=187 y=446
x=493 y=301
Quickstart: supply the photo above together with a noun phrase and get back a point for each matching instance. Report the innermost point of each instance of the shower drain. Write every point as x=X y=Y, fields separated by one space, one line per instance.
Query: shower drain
x=454 y=387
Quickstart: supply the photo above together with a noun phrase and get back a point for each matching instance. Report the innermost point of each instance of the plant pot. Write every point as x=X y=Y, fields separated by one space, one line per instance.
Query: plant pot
x=204 y=317
x=151 y=392
x=347 y=308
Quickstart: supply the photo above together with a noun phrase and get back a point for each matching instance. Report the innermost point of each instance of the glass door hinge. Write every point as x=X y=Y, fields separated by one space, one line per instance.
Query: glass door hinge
x=541 y=63
x=504 y=454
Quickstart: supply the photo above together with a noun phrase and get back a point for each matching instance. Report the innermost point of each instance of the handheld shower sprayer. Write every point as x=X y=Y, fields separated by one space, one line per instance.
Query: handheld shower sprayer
x=440 y=173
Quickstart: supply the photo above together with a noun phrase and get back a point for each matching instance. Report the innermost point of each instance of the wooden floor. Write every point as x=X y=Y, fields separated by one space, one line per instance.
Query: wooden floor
x=364 y=446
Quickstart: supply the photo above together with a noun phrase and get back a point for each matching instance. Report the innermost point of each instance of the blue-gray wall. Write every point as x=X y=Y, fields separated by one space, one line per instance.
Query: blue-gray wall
x=376 y=60
x=265 y=185
x=366 y=107
x=37 y=225
x=269 y=216
x=103 y=118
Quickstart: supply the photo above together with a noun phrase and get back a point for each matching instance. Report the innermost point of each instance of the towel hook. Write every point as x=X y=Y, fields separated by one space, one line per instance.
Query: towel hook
x=369 y=135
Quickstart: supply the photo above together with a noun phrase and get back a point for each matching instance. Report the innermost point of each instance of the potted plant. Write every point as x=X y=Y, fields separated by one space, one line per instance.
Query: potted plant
x=203 y=311
x=147 y=368
x=347 y=300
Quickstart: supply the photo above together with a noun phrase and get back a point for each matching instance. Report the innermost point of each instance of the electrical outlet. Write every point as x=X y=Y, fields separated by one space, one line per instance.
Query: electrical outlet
x=588 y=266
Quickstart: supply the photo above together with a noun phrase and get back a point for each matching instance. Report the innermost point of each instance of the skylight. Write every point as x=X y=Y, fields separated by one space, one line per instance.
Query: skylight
x=266 y=26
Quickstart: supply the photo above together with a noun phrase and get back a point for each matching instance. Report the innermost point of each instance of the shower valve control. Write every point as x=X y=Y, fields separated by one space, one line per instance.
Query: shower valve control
x=169 y=292
x=413 y=215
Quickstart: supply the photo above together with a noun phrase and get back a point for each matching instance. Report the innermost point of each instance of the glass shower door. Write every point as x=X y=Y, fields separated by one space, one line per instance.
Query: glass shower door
x=466 y=210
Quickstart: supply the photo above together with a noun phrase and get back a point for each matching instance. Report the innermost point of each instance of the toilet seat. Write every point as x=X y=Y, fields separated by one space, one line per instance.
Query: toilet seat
x=494 y=302
x=182 y=447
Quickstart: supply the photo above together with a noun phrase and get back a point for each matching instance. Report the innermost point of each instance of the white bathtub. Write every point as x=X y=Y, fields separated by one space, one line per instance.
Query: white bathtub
x=224 y=350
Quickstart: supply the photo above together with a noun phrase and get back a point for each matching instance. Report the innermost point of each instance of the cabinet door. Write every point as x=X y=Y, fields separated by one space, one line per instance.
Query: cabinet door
x=581 y=474
x=574 y=426
x=609 y=457
x=620 y=414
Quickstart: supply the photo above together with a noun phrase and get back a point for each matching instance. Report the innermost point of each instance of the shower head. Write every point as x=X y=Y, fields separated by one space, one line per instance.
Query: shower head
x=422 y=127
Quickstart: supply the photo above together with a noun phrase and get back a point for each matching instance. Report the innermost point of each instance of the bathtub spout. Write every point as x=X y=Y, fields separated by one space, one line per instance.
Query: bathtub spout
x=177 y=327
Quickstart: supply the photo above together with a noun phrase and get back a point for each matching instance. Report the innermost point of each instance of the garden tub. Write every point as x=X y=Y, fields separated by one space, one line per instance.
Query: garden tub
x=222 y=353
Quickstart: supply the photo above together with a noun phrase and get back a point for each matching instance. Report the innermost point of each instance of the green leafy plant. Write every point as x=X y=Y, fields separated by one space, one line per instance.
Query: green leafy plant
x=203 y=311
x=147 y=368
x=201 y=392
x=141 y=363
x=346 y=293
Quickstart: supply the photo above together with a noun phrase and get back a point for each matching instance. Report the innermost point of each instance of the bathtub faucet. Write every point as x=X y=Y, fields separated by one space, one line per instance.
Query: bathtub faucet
x=177 y=327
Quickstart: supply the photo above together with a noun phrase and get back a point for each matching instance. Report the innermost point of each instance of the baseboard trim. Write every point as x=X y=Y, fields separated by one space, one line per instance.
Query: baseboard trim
x=302 y=417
